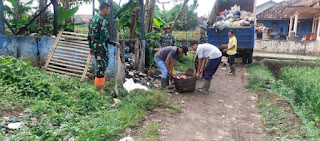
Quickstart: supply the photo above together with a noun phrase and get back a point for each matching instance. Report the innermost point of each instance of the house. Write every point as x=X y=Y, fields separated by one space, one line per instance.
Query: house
x=278 y=21
x=265 y=6
x=82 y=21
x=306 y=10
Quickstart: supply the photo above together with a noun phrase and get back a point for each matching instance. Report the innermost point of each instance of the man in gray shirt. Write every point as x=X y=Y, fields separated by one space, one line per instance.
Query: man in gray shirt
x=207 y=53
x=165 y=61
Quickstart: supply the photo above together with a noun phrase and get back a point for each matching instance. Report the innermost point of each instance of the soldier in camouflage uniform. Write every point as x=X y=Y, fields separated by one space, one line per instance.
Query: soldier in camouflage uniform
x=99 y=39
x=167 y=39
x=203 y=39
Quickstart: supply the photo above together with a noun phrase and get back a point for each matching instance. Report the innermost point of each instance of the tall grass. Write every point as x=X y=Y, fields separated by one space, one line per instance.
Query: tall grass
x=305 y=82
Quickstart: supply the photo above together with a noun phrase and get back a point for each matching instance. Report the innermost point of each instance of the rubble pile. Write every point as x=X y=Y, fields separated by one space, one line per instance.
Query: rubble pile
x=131 y=72
x=233 y=17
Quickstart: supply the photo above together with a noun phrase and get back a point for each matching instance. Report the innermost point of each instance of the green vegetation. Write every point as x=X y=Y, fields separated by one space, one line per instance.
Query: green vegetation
x=305 y=82
x=278 y=121
x=298 y=86
x=183 y=63
x=56 y=107
x=260 y=77
x=151 y=133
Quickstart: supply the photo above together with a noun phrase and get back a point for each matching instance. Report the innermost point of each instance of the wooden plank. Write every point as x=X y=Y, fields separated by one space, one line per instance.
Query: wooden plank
x=74 y=33
x=66 y=65
x=75 y=57
x=71 y=59
x=62 y=72
x=73 y=37
x=65 y=69
x=81 y=46
x=53 y=48
x=66 y=62
x=71 y=53
x=72 y=49
x=74 y=41
x=87 y=67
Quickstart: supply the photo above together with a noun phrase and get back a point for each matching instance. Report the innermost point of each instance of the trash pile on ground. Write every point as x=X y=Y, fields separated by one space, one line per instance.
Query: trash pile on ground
x=233 y=17
x=132 y=72
x=8 y=125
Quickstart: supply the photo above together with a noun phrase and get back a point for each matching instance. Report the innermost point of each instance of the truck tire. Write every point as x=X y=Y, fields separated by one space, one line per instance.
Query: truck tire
x=250 y=57
x=244 y=58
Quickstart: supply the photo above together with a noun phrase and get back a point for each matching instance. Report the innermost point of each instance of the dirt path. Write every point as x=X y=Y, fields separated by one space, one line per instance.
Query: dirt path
x=228 y=113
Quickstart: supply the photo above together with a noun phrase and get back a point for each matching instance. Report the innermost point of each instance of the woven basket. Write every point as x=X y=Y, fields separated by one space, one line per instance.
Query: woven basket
x=185 y=85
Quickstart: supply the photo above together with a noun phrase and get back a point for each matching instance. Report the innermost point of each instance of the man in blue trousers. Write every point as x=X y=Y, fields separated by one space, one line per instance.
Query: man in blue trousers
x=165 y=61
x=209 y=58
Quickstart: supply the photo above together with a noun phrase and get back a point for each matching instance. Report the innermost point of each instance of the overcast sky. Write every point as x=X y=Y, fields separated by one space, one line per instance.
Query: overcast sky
x=204 y=8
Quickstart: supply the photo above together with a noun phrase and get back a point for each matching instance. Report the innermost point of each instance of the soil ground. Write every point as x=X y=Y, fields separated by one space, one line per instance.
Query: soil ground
x=227 y=113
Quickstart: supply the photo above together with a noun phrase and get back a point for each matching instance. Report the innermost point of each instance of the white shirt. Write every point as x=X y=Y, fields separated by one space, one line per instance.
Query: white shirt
x=208 y=51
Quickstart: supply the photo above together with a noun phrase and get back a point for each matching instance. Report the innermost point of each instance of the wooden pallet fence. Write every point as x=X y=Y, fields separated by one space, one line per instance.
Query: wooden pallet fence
x=70 y=55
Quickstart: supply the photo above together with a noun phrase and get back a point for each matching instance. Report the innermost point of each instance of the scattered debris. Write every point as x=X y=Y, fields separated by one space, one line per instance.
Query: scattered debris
x=116 y=100
x=15 y=125
x=130 y=85
x=126 y=139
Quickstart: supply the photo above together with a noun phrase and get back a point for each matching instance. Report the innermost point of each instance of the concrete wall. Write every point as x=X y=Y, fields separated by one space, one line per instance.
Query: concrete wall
x=296 y=47
x=27 y=47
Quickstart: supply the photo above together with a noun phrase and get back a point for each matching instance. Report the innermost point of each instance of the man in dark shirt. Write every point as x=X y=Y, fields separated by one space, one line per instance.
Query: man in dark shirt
x=165 y=61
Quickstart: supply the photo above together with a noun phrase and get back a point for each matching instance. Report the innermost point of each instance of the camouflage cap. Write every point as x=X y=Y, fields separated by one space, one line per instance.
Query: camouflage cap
x=202 y=27
x=166 y=26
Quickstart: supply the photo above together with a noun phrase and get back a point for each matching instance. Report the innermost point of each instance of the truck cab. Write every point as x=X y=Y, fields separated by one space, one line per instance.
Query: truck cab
x=245 y=34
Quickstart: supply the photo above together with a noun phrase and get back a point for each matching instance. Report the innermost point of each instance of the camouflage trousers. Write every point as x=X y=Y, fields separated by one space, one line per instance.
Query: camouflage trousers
x=101 y=63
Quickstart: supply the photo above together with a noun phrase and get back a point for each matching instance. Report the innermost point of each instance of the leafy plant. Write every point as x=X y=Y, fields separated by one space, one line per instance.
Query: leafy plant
x=56 y=108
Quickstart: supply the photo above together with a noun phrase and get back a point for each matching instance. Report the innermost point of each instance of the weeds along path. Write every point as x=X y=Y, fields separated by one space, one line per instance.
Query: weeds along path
x=228 y=113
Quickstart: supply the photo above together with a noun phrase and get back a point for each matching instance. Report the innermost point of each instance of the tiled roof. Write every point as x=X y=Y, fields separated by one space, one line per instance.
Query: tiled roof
x=304 y=3
x=275 y=12
x=85 y=18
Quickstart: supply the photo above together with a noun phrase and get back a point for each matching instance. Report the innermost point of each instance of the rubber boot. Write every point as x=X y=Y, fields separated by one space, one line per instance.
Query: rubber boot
x=205 y=88
x=164 y=83
x=233 y=71
x=99 y=83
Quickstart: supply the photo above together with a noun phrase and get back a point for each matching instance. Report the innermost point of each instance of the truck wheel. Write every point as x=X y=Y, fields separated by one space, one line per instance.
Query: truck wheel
x=250 y=58
x=244 y=58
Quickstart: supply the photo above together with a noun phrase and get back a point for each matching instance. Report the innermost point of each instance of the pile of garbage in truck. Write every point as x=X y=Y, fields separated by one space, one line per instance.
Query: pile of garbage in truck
x=233 y=17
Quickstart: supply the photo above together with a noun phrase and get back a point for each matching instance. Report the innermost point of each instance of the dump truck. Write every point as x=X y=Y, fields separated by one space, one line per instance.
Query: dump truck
x=244 y=34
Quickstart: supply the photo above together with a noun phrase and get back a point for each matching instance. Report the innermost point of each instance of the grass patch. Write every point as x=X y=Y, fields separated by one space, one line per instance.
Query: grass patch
x=63 y=107
x=151 y=133
x=298 y=86
x=260 y=77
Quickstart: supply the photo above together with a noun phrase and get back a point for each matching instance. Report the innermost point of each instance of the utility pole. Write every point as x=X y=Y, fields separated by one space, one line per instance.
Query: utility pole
x=55 y=17
x=142 y=38
x=1 y=18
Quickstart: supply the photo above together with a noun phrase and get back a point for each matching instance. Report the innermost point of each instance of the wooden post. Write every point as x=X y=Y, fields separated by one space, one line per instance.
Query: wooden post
x=296 y=20
x=1 y=18
x=55 y=17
